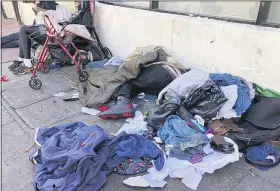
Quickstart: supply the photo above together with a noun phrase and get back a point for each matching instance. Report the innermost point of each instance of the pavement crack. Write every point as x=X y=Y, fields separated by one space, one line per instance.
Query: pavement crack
x=267 y=180
x=49 y=96
x=239 y=181
x=16 y=116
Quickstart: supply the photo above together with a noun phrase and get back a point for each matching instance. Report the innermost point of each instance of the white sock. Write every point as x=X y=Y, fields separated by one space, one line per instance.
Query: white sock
x=27 y=62
x=20 y=59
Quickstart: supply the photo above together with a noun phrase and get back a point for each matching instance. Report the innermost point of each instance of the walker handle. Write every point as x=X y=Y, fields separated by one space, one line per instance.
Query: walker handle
x=49 y=25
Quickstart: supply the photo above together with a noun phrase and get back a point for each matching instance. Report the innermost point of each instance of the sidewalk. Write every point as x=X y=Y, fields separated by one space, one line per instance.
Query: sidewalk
x=25 y=109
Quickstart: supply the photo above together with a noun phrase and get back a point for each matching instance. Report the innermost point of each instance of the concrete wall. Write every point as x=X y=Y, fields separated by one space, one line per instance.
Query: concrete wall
x=248 y=51
x=26 y=12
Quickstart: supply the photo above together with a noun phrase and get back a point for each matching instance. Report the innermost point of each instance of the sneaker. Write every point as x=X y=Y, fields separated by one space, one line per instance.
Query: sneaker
x=15 y=65
x=123 y=108
x=106 y=106
x=22 y=70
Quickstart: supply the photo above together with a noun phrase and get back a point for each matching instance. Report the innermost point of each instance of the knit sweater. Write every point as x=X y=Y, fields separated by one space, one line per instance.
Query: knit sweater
x=55 y=16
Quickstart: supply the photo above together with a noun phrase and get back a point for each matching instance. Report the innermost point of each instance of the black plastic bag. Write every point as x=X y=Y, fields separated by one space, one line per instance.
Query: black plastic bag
x=205 y=101
x=160 y=113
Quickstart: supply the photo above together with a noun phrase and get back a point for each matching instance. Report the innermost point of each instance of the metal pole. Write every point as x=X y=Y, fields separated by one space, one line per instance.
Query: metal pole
x=263 y=12
x=15 y=5
x=3 y=11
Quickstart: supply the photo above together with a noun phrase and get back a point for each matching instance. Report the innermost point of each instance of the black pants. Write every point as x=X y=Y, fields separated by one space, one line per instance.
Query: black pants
x=151 y=80
x=25 y=41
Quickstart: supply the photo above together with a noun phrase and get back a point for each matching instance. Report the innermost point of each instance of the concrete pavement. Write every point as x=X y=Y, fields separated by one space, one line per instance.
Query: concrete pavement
x=24 y=109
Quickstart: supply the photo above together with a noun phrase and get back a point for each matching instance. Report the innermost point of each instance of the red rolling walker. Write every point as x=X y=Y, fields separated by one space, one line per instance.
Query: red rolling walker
x=76 y=59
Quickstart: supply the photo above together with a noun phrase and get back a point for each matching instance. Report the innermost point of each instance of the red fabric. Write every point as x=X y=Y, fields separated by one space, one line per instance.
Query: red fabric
x=103 y=108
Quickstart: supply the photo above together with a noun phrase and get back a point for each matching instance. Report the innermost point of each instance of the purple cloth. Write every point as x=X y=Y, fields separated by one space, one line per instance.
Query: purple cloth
x=64 y=164
x=134 y=146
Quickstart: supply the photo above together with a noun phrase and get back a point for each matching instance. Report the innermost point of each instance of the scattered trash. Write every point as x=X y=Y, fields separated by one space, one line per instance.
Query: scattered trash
x=191 y=174
x=71 y=99
x=157 y=140
x=26 y=150
x=89 y=111
x=141 y=95
x=59 y=94
x=199 y=119
x=113 y=134
x=134 y=105
x=75 y=95
x=55 y=65
x=180 y=143
x=83 y=144
x=4 y=79
x=74 y=88
x=134 y=125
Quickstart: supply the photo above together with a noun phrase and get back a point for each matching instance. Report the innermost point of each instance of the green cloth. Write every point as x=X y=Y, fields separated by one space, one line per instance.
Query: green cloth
x=266 y=92
x=102 y=83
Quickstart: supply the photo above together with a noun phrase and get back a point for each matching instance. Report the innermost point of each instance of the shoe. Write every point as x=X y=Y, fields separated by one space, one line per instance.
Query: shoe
x=106 y=106
x=15 y=65
x=22 y=70
x=123 y=108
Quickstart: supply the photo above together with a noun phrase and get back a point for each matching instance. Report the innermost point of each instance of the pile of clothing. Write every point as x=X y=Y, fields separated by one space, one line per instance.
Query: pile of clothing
x=102 y=84
x=190 y=152
x=200 y=124
x=75 y=156
x=210 y=95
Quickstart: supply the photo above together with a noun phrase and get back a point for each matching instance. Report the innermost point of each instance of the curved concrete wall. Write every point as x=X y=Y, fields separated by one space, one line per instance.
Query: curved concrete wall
x=251 y=52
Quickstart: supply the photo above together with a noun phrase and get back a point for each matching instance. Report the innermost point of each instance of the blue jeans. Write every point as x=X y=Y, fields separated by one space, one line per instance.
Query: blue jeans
x=10 y=41
x=176 y=132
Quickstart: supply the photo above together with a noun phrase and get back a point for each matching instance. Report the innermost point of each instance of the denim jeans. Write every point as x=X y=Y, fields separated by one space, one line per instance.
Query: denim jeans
x=10 y=41
x=176 y=132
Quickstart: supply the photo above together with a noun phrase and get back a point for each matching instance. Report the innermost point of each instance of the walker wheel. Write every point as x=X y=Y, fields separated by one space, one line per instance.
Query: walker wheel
x=45 y=68
x=35 y=83
x=83 y=76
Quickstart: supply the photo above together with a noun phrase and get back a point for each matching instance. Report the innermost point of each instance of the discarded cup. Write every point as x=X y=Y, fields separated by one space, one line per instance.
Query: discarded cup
x=4 y=79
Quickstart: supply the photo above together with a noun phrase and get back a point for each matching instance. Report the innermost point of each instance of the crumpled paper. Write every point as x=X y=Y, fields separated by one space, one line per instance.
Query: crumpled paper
x=134 y=125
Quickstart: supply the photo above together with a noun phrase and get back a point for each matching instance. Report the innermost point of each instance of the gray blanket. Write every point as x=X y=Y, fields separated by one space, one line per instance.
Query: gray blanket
x=103 y=83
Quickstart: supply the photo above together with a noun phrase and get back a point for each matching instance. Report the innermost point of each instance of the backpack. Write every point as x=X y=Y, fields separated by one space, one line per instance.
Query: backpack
x=252 y=135
x=260 y=123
